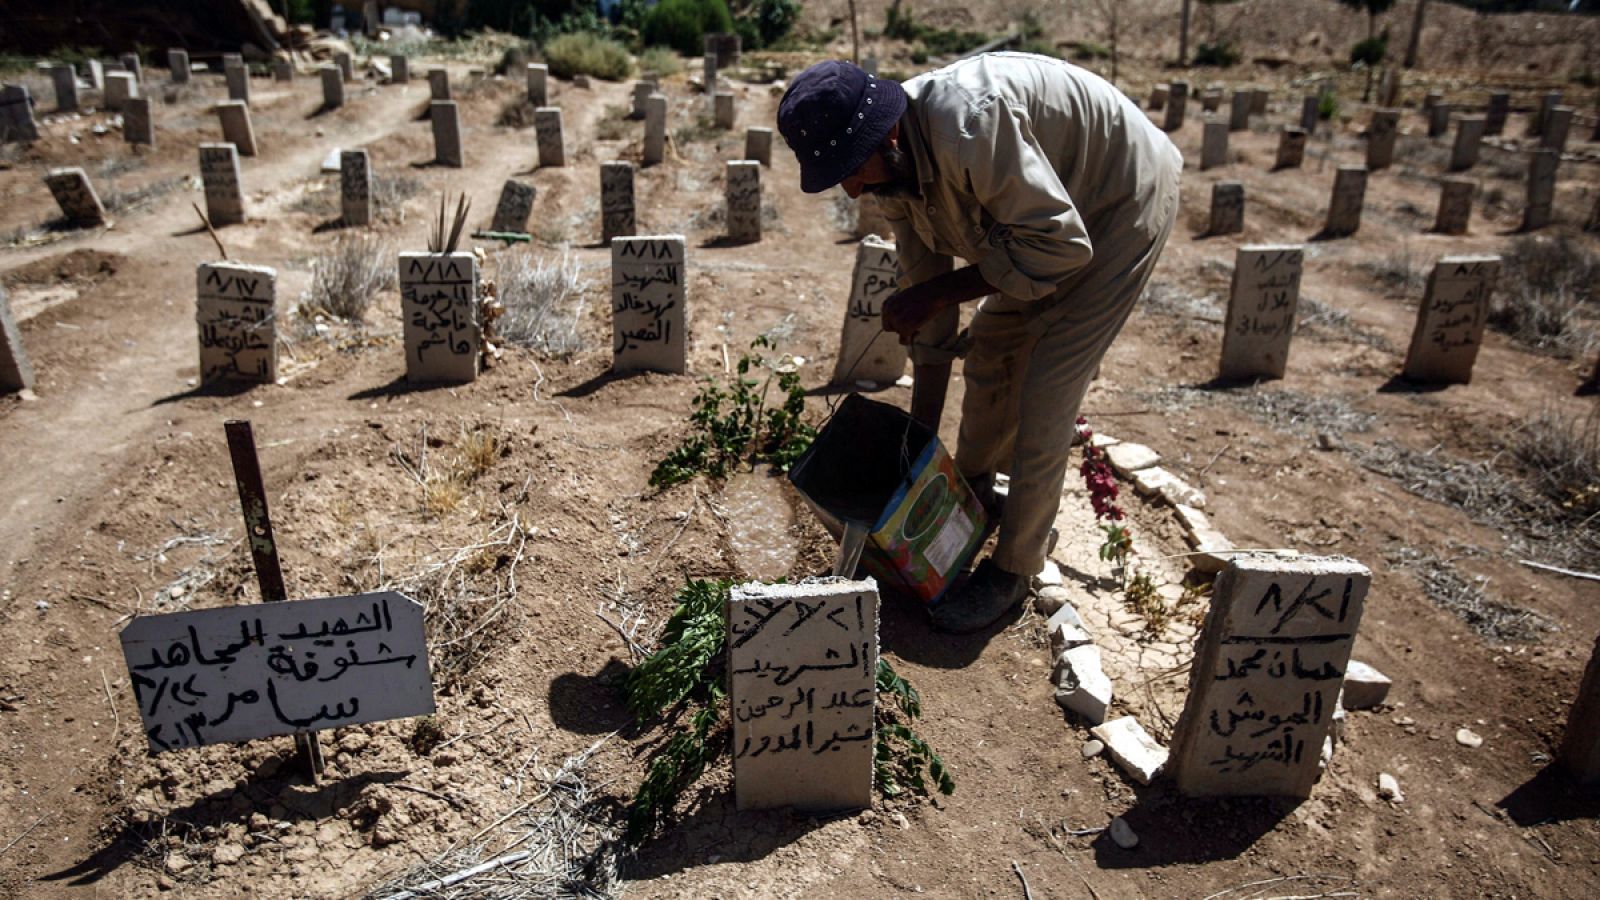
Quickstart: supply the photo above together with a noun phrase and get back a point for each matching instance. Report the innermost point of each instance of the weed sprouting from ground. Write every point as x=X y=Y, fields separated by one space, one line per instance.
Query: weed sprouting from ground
x=1562 y=457
x=1163 y=298
x=543 y=301
x=390 y=193
x=345 y=279
x=1318 y=318
x=1546 y=296
x=127 y=201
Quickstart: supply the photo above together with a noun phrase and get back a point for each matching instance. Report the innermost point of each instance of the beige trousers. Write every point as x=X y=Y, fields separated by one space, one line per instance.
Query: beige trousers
x=1030 y=364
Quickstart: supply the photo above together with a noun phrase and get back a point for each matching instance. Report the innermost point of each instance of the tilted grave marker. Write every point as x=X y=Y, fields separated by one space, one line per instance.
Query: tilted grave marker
x=1177 y=104
x=332 y=87
x=65 y=79
x=97 y=75
x=722 y=109
x=439 y=308
x=866 y=351
x=1557 y=125
x=119 y=87
x=547 y=134
x=655 y=130
x=355 y=187
x=743 y=193
x=1381 y=135
x=16 y=373
x=1449 y=330
x=1214 y=145
x=1239 y=110
x=399 y=68
x=1455 y=205
x=347 y=65
x=1349 y=195
x=538 y=84
x=219 y=171
x=1541 y=189
x=238 y=78
x=236 y=313
x=617 y=216
x=1494 y=117
x=803 y=662
x=178 y=65
x=439 y=84
x=1266 y=676
x=236 y=127
x=1469 y=137
x=16 y=115
x=1261 y=311
x=1227 y=208
x=516 y=203
x=244 y=672
x=445 y=118
x=1580 y=746
x=137 y=127
x=758 y=145
x=1291 y=149
x=79 y=204
x=648 y=304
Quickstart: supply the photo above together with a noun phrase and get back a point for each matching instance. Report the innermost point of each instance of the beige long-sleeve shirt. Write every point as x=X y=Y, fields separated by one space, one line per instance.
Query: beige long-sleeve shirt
x=1026 y=164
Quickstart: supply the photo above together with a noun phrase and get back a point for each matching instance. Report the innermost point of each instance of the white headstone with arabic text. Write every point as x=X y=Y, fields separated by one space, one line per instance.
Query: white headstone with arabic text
x=235 y=310
x=439 y=310
x=1261 y=309
x=866 y=351
x=1449 y=330
x=648 y=317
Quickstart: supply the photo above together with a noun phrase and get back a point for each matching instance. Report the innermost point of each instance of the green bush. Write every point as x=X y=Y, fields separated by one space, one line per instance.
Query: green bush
x=1370 y=51
x=683 y=24
x=660 y=61
x=935 y=42
x=773 y=20
x=584 y=53
x=1327 y=105
x=1220 y=54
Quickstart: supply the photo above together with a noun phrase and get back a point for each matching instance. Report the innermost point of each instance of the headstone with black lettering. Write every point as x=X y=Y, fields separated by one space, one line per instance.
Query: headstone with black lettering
x=119 y=87
x=1267 y=671
x=399 y=68
x=439 y=309
x=758 y=145
x=802 y=687
x=516 y=203
x=1177 y=105
x=1310 y=110
x=1349 y=195
x=1261 y=311
x=1438 y=120
x=236 y=314
x=1455 y=205
x=439 y=84
x=79 y=204
x=332 y=87
x=1541 y=189
x=1227 y=208
x=178 y=65
x=1381 y=136
x=219 y=171
x=1239 y=110
x=1291 y=149
x=137 y=127
x=648 y=316
x=538 y=85
x=64 y=76
x=1214 y=145
x=16 y=372
x=743 y=193
x=346 y=64
x=355 y=187
x=617 y=217
x=1449 y=330
x=655 y=130
x=1557 y=125
x=1469 y=136
x=236 y=127
x=237 y=673
x=723 y=109
x=446 y=121
x=238 y=78
x=547 y=134
x=1494 y=117
x=866 y=351
x=282 y=71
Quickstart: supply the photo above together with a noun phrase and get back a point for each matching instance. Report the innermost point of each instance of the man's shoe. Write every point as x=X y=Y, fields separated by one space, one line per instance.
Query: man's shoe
x=984 y=599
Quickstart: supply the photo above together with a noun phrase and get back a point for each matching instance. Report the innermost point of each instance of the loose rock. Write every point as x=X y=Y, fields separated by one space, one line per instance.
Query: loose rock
x=1122 y=834
x=1083 y=687
x=1389 y=788
x=1091 y=749
x=1132 y=748
x=1469 y=738
x=1364 y=686
x=1127 y=458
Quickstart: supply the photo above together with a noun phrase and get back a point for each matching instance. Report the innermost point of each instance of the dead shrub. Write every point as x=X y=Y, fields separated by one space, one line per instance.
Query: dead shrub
x=1546 y=294
x=613 y=125
x=543 y=300
x=1398 y=270
x=346 y=278
x=1561 y=456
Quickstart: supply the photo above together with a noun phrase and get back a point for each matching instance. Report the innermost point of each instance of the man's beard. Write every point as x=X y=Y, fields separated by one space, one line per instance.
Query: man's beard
x=902 y=183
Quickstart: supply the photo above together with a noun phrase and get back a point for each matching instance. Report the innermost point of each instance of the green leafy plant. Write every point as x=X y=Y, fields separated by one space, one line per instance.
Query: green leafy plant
x=1220 y=54
x=734 y=424
x=583 y=53
x=683 y=24
x=1117 y=546
x=682 y=684
x=1327 y=105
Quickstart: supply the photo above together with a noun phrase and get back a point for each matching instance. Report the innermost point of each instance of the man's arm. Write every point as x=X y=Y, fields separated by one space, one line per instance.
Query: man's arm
x=909 y=310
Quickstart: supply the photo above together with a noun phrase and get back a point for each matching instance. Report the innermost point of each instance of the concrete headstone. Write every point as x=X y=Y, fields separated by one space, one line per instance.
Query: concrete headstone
x=1449 y=329
x=237 y=318
x=655 y=130
x=97 y=74
x=1239 y=110
x=538 y=84
x=347 y=65
x=355 y=187
x=282 y=71
x=1158 y=97
x=1291 y=149
x=1349 y=195
x=16 y=372
x=1580 y=746
x=439 y=84
x=131 y=63
x=516 y=203
x=1259 y=97
x=178 y=65
x=1469 y=137
x=1557 y=125
x=723 y=109
x=446 y=120
x=1455 y=205
x=1541 y=189
x=1214 y=145
x=439 y=308
x=866 y=351
x=64 y=76
x=119 y=87
x=399 y=68
x=1211 y=99
x=1177 y=105
x=332 y=87
x=219 y=171
x=743 y=192
x=1227 y=208
x=238 y=79
x=16 y=115
x=1389 y=88
x=236 y=127
x=726 y=46
x=617 y=217
x=1310 y=111
x=79 y=204
x=1494 y=116
x=648 y=316
x=708 y=67
x=1261 y=311
x=1536 y=120
x=1266 y=674
x=548 y=136
x=641 y=95
x=1381 y=136
x=137 y=127
x=1438 y=120
x=802 y=662
x=758 y=145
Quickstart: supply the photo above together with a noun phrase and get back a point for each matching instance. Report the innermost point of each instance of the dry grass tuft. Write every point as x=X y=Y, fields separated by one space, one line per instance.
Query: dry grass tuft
x=1546 y=297
x=1562 y=457
x=1469 y=600
x=543 y=301
x=345 y=280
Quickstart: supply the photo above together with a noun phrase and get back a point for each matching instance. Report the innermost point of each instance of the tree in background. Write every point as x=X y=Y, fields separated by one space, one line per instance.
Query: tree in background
x=1416 y=34
x=1371 y=51
x=683 y=24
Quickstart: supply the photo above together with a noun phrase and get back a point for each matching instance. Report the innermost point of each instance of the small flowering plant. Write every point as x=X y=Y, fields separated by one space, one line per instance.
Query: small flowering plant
x=1102 y=485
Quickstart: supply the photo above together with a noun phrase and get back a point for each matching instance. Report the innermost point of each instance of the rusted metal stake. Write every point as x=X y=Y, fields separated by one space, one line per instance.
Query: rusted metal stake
x=264 y=551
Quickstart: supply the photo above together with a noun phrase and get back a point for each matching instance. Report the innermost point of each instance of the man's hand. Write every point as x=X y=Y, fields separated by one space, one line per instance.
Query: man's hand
x=907 y=311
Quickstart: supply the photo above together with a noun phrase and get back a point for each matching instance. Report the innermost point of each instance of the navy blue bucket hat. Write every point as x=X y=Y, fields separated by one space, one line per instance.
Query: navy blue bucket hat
x=834 y=116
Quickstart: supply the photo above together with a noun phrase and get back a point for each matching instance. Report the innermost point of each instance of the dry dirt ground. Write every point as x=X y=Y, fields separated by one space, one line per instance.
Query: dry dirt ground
x=116 y=498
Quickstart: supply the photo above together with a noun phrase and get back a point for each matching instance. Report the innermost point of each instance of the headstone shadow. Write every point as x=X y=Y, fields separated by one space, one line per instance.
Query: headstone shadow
x=590 y=704
x=715 y=832
x=320 y=111
x=724 y=241
x=399 y=387
x=594 y=384
x=1176 y=830
x=334 y=224
x=1399 y=384
x=260 y=793
x=1551 y=795
x=218 y=388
